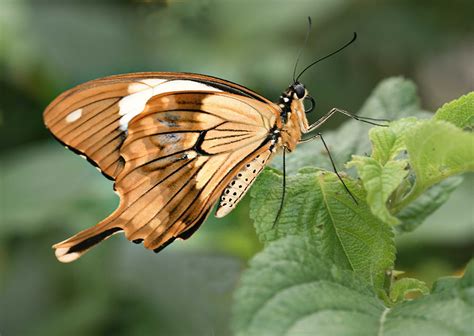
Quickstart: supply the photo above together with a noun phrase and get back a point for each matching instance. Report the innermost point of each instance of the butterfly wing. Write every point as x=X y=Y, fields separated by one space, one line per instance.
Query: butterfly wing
x=179 y=154
x=92 y=119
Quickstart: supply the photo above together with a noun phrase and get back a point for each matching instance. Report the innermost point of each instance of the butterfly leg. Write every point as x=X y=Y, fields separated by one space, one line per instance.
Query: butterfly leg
x=334 y=167
x=283 y=191
x=320 y=136
x=311 y=138
x=328 y=115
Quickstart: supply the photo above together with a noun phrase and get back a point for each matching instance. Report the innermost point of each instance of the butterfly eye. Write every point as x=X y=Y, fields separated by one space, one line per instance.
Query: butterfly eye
x=299 y=90
x=312 y=104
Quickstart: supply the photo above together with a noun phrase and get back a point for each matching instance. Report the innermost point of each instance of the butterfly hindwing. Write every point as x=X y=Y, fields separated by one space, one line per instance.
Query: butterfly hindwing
x=240 y=184
x=179 y=154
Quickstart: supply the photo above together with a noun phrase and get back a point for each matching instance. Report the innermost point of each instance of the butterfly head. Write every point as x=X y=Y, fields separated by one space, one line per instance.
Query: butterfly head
x=293 y=114
x=297 y=92
x=293 y=108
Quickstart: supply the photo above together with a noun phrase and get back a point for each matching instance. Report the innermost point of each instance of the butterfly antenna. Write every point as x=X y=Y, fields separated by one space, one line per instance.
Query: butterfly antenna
x=284 y=190
x=335 y=170
x=302 y=48
x=327 y=56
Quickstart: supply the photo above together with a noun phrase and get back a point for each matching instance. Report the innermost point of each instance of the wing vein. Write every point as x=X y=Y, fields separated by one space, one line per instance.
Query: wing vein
x=233 y=141
x=191 y=203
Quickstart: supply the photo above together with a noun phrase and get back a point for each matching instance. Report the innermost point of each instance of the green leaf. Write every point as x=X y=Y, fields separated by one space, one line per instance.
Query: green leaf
x=449 y=310
x=382 y=174
x=388 y=142
x=318 y=206
x=380 y=181
x=444 y=284
x=290 y=289
x=387 y=176
x=437 y=150
x=296 y=216
x=417 y=211
x=403 y=287
x=459 y=112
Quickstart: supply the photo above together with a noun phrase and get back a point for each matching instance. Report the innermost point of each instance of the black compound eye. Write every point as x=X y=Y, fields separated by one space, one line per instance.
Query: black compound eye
x=299 y=90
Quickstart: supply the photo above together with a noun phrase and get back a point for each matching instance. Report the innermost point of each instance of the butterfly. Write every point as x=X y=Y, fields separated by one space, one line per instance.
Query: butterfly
x=174 y=144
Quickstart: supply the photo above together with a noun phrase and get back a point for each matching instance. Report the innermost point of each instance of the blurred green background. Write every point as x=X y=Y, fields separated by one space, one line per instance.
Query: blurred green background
x=47 y=193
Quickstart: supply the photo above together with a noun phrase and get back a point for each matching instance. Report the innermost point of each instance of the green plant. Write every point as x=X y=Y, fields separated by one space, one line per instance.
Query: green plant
x=328 y=264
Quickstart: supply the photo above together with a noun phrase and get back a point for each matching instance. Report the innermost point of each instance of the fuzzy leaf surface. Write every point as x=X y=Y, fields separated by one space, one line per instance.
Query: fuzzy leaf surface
x=459 y=112
x=403 y=287
x=438 y=150
x=317 y=205
x=380 y=181
x=290 y=289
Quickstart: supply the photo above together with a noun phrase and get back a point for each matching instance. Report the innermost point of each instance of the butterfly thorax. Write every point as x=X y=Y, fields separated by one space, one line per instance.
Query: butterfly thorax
x=286 y=132
x=293 y=118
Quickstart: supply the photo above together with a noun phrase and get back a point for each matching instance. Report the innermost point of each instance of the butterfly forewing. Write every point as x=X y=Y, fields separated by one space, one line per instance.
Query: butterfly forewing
x=178 y=155
x=92 y=118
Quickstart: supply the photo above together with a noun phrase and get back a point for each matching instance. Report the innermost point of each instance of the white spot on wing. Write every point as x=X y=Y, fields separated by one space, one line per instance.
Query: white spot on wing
x=73 y=116
x=191 y=155
x=65 y=257
x=133 y=104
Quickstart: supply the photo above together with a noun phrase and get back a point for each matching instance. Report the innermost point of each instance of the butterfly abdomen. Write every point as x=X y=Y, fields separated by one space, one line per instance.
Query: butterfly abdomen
x=239 y=185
